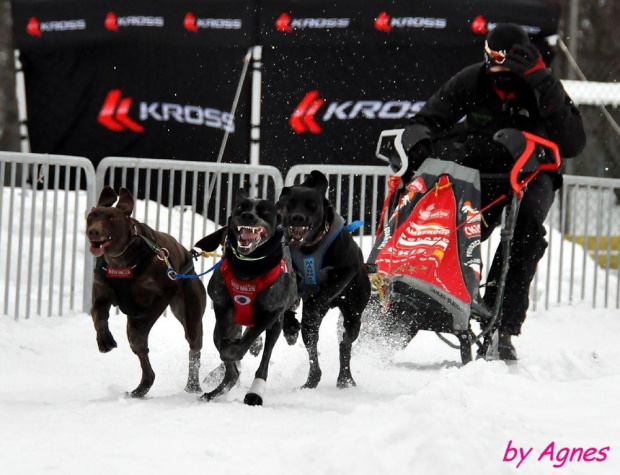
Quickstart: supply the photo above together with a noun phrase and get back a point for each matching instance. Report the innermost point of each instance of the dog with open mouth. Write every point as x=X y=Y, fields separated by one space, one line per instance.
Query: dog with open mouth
x=253 y=287
x=131 y=273
x=330 y=269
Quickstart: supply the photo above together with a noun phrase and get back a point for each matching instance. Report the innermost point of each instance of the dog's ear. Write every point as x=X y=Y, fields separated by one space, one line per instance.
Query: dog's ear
x=214 y=240
x=316 y=180
x=242 y=194
x=107 y=197
x=125 y=201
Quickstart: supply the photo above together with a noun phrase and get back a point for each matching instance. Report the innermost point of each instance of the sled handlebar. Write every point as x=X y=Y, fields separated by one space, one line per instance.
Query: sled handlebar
x=522 y=145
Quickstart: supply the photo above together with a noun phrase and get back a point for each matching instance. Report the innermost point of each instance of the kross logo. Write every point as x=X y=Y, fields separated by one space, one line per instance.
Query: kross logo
x=33 y=27
x=37 y=28
x=304 y=117
x=115 y=110
x=286 y=24
x=112 y=22
x=480 y=26
x=113 y=114
x=384 y=22
x=193 y=24
x=283 y=23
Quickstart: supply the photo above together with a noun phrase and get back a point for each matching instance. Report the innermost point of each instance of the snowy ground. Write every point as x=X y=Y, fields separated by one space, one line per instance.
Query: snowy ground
x=63 y=409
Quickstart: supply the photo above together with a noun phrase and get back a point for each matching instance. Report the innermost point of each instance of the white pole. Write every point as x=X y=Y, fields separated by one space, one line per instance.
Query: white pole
x=255 y=114
x=20 y=93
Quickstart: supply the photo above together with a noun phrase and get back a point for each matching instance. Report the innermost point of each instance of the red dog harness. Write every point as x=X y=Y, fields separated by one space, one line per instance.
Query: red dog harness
x=243 y=292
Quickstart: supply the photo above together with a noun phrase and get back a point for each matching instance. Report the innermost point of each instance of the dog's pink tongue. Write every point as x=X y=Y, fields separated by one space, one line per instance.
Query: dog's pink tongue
x=96 y=251
x=298 y=233
x=248 y=235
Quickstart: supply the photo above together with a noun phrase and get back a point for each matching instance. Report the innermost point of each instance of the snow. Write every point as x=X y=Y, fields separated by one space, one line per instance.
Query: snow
x=63 y=407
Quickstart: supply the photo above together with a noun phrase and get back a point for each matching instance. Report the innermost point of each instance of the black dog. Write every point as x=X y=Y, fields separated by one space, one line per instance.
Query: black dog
x=253 y=287
x=330 y=269
x=131 y=273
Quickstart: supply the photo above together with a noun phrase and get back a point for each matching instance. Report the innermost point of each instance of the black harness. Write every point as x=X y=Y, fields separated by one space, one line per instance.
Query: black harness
x=121 y=284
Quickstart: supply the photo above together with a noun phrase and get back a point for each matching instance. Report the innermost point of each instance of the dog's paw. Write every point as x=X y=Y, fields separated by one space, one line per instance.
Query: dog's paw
x=137 y=393
x=291 y=339
x=193 y=387
x=256 y=347
x=345 y=382
x=290 y=329
x=252 y=399
x=105 y=341
x=313 y=380
x=206 y=397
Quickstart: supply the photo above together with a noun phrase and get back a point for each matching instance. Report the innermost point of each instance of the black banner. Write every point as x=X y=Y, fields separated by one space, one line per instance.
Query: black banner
x=153 y=79
x=211 y=23
x=158 y=78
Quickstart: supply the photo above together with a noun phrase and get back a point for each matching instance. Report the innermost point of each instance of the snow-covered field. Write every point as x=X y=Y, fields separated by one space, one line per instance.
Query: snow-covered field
x=63 y=409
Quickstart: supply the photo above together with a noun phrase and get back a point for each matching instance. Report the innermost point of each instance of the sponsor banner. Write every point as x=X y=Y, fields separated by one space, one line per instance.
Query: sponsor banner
x=76 y=22
x=157 y=79
x=331 y=108
x=168 y=102
x=442 y=22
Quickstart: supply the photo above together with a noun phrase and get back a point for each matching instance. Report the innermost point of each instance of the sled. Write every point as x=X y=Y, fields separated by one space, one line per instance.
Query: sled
x=426 y=263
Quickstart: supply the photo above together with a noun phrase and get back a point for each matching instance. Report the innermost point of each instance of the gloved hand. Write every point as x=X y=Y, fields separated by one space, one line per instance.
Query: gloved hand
x=526 y=62
x=413 y=135
x=416 y=143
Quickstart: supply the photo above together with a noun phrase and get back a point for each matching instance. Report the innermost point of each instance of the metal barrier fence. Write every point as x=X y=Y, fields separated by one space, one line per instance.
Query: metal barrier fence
x=45 y=268
x=586 y=221
x=42 y=202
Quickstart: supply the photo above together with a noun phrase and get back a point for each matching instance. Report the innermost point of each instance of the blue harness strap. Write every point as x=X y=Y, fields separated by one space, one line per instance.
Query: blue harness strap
x=354 y=225
x=310 y=264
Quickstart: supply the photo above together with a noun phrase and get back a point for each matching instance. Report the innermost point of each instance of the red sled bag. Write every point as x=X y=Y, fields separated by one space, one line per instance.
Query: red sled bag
x=429 y=253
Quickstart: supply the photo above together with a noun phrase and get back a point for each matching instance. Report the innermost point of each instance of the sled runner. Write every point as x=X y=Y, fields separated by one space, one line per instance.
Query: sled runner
x=426 y=261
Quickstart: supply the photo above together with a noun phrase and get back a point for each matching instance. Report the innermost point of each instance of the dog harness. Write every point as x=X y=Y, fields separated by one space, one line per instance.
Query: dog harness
x=121 y=279
x=244 y=292
x=309 y=264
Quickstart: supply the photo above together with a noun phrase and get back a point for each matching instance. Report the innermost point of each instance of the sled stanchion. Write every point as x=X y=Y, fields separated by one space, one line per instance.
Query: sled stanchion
x=489 y=345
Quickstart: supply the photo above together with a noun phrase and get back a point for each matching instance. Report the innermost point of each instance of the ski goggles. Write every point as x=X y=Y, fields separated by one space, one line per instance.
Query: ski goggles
x=495 y=57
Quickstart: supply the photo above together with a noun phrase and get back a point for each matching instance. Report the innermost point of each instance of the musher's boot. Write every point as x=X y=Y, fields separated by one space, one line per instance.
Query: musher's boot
x=506 y=349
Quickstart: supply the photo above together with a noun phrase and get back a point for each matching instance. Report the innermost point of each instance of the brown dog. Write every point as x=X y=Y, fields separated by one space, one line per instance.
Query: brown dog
x=131 y=273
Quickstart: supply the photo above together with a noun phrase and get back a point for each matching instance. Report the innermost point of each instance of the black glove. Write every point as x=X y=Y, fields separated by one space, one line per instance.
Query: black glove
x=413 y=135
x=526 y=62
x=417 y=144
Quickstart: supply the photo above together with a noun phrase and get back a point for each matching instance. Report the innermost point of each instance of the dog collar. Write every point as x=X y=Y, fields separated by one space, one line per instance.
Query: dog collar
x=320 y=236
x=242 y=257
x=131 y=241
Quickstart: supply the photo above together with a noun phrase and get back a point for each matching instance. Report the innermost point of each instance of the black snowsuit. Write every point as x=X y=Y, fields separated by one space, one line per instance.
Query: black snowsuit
x=546 y=111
